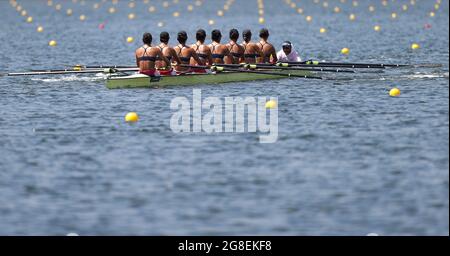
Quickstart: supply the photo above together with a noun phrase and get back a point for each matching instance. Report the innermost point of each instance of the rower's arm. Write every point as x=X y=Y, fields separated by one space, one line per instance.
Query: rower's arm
x=175 y=57
x=260 y=53
x=209 y=58
x=273 y=52
x=196 y=58
x=228 y=56
x=161 y=55
x=137 y=60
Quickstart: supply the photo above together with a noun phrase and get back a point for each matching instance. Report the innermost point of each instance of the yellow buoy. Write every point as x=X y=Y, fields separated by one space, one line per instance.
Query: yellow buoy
x=40 y=29
x=30 y=19
x=323 y=30
x=415 y=46
x=131 y=117
x=130 y=39
x=377 y=28
x=69 y=12
x=211 y=22
x=308 y=18
x=394 y=92
x=82 y=17
x=432 y=14
x=352 y=17
x=131 y=16
x=52 y=43
x=112 y=10
x=261 y=20
x=271 y=104
x=345 y=51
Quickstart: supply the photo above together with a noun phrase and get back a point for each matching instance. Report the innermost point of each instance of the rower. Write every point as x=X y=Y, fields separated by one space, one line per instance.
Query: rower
x=185 y=53
x=287 y=54
x=236 y=50
x=147 y=55
x=203 y=51
x=270 y=54
x=220 y=52
x=168 y=52
x=252 y=53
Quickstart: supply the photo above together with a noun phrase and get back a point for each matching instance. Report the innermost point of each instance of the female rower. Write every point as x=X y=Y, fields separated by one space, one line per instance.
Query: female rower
x=168 y=52
x=185 y=53
x=220 y=52
x=270 y=54
x=252 y=53
x=203 y=51
x=147 y=55
x=236 y=50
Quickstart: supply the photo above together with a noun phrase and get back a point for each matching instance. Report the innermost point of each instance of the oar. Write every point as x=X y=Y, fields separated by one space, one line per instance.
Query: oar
x=257 y=66
x=360 y=65
x=59 y=72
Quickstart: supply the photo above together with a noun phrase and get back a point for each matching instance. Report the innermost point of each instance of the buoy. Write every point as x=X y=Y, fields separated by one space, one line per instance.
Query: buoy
x=130 y=39
x=261 y=20
x=82 y=17
x=394 y=92
x=394 y=15
x=271 y=104
x=220 y=13
x=432 y=14
x=131 y=16
x=377 y=28
x=176 y=14
x=30 y=19
x=69 y=12
x=211 y=22
x=131 y=117
x=345 y=51
x=40 y=29
x=308 y=18
x=352 y=17
x=160 y=24
x=52 y=43
x=112 y=10
x=415 y=46
x=323 y=30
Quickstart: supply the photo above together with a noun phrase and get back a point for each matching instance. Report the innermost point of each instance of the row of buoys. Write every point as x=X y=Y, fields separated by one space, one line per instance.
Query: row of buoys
x=346 y=51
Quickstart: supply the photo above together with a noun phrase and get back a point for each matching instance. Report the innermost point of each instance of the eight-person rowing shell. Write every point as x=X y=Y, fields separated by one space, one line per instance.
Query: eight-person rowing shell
x=156 y=61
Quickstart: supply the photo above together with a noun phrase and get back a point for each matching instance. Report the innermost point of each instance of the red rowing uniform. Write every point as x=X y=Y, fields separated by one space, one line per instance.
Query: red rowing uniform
x=150 y=72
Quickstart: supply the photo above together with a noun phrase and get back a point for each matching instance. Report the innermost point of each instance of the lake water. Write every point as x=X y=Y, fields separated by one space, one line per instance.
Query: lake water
x=349 y=160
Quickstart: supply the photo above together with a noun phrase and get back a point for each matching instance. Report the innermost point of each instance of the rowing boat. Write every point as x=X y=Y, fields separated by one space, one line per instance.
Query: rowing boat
x=115 y=81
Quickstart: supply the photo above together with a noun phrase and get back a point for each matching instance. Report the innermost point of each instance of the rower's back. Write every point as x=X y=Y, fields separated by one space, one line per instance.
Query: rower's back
x=252 y=53
x=203 y=51
x=147 y=55
x=219 y=52
x=236 y=50
x=268 y=50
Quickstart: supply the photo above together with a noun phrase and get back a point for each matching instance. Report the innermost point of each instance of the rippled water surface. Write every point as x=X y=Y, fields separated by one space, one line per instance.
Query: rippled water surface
x=350 y=160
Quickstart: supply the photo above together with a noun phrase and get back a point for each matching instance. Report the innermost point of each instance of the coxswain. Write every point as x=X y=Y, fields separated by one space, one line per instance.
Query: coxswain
x=146 y=56
x=169 y=53
x=270 y=54
x=203 y=51
x=185 y=53
x=288 y=54
x=252 y=53
x=220 y=52
x=236 y=50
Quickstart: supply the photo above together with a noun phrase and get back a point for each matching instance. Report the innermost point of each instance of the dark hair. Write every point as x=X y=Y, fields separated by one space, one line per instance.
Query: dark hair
x=147 y=38
x=200 y=35
x=234 y=34
x=247 y=35
x=182 y=37
x=216 y=35
x=164 y=37
x=264 y=33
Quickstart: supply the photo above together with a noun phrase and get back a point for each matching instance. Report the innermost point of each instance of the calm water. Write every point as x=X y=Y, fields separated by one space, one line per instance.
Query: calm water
x=350 y=160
